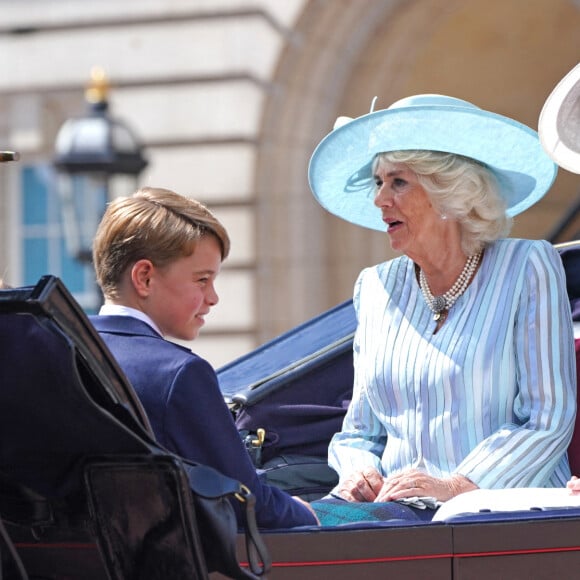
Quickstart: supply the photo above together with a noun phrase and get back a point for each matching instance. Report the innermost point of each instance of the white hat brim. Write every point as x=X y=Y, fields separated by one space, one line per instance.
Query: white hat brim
x=559 y=123
x=340 y=170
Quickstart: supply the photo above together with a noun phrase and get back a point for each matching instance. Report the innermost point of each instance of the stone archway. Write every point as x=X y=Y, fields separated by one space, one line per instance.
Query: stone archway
x=505 y=55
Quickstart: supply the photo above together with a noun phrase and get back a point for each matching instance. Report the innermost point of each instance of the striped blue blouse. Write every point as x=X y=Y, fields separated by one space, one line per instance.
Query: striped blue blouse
x=491 y=395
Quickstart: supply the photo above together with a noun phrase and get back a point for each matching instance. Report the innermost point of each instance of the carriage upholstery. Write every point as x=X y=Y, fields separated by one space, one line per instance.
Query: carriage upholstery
x=570 y=253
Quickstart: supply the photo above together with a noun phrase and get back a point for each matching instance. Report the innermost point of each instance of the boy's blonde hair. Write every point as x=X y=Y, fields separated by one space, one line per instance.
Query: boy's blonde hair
x=154 y=224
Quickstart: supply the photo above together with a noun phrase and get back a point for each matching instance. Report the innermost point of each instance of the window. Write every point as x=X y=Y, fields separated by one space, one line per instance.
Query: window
x=41 y=236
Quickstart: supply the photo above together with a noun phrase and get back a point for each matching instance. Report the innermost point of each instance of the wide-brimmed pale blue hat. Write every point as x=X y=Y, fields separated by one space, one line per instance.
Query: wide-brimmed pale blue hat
x=340 y=171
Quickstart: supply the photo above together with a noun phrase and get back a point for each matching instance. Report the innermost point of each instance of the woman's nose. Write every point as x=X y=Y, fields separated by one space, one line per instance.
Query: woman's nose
x=383 y=198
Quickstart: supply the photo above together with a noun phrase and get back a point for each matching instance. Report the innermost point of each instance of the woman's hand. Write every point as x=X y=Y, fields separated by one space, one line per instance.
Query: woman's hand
x=361 y=486
x=574 y=486
x=413 y=483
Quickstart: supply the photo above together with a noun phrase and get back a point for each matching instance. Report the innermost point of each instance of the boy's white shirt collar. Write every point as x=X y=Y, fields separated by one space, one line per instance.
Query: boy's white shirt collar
x=118 y=310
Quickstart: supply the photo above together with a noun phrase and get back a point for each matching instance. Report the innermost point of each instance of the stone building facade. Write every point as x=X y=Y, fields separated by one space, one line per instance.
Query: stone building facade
x=230 y=97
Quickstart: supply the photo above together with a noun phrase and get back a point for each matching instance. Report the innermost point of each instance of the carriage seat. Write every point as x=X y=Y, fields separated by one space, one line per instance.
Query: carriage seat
x=570 y=254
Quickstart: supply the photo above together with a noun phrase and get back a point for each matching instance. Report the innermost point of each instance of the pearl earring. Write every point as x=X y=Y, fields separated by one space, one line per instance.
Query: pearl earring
x=443 y=216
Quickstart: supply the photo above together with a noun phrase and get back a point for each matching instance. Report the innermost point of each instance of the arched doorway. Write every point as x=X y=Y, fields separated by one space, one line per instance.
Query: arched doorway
x=503 y=55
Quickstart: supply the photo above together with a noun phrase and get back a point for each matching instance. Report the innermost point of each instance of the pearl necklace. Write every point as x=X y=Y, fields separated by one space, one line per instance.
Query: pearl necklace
x=439 y=304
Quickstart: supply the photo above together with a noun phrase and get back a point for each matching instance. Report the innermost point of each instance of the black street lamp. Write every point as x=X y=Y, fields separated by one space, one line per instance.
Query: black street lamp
x=96 y=155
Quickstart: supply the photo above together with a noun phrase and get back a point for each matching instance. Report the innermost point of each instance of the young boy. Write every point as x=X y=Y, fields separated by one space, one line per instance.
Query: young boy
x=157 y=255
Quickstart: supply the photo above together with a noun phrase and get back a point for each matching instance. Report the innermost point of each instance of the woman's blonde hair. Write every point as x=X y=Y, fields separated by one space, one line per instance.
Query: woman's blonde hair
x=155 y=224
x=460 y=188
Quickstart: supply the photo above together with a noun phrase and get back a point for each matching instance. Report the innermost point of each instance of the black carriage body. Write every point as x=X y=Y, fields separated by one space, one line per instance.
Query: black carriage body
x=98 y=518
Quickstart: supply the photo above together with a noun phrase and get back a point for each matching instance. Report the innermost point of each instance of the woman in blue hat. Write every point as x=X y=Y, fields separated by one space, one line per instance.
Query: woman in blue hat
x=464 y=360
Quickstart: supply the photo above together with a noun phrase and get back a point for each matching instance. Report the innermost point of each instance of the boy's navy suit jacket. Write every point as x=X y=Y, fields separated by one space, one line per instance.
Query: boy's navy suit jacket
x=180 y=394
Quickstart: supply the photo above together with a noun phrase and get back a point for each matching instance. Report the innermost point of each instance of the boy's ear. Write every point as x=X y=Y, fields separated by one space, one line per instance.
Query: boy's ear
x=140 y=277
